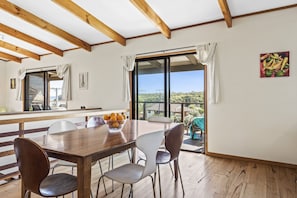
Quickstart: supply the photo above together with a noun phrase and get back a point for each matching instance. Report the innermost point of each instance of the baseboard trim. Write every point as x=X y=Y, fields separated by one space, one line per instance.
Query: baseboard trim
x=252 y=160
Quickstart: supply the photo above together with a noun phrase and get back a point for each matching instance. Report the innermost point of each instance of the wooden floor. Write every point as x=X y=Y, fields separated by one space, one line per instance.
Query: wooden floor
x=203 y=177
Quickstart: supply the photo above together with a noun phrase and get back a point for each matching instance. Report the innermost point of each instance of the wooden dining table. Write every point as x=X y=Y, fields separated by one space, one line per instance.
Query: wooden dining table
x=87 y=145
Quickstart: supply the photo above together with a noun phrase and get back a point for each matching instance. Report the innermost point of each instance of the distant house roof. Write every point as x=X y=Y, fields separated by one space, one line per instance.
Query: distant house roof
x=176 y=108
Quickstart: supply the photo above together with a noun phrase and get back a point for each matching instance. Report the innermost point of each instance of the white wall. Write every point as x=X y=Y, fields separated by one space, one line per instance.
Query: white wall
x=3 y=83
x=256 y=117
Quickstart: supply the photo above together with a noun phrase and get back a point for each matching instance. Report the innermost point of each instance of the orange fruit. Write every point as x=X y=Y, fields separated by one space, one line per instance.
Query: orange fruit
x=120 y=117
x=113 y=118
x=106 y=117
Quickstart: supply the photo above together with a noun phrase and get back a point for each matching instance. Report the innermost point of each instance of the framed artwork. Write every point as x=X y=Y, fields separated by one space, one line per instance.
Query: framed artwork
x=275 y=64
x=83 y=80
x=12 y=83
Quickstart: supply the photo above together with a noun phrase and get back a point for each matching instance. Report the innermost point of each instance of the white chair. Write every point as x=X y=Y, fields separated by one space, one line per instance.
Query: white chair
x=95 y=121
x=61 y=126
x=159 y=119
x=132 y=173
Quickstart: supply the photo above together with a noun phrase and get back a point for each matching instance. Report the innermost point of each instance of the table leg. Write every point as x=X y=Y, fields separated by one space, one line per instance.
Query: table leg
x=84 y=177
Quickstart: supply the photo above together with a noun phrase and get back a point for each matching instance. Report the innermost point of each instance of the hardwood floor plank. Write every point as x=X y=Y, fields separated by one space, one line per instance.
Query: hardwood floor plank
x=203 y=177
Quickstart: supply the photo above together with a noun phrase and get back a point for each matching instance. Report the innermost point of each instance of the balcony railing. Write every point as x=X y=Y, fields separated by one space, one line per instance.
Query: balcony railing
x=178 y=111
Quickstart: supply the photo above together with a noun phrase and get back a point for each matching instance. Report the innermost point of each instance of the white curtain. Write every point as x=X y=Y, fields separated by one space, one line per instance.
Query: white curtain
x=21 y=75
x=63 y=71
x=128 y=66
x=206 y=56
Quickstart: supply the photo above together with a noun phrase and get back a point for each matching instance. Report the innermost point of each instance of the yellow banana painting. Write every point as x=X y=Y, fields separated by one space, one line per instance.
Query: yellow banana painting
x=274 y=64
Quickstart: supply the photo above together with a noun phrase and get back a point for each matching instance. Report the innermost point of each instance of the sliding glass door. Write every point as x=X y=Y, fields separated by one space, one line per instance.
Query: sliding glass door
x=151 y=92
x=172 y=86
x=168 y=86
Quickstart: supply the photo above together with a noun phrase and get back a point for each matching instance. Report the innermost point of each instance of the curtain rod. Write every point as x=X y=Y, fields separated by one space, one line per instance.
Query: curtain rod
x=166 y=50
x=41 y=68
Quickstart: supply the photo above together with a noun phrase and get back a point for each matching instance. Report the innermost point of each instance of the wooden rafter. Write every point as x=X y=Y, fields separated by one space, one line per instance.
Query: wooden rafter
x=91 y=20
x=19 y=50
x=17 y=34
x=31 y=18
x=192 y=59
x=226 y=12
x=10 y=57
x=152 y=15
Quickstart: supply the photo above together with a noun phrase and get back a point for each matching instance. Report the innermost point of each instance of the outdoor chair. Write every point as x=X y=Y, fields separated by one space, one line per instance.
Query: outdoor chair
x=197 y=124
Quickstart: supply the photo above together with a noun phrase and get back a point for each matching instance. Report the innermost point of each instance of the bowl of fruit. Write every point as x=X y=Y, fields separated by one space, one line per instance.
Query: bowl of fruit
x=115 y=121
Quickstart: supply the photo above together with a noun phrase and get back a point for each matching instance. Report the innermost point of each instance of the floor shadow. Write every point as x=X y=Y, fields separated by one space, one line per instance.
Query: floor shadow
x=193 y=145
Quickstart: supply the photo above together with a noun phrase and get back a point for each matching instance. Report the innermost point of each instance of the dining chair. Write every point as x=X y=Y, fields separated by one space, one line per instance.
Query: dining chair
x=95 y=121
x=132 y=173
x=159 y=119
x=62 y=126
x=34 y=166
x=173 y=142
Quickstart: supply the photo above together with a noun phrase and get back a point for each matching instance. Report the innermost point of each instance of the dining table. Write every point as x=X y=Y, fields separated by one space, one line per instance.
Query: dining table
x=86 y=145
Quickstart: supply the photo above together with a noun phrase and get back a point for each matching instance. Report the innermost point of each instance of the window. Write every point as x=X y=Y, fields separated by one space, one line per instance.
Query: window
x=43 y=91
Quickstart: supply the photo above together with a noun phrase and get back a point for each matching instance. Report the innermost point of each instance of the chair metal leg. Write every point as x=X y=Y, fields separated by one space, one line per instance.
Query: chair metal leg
x=129 y=156
x=98 y=185
x=112 y=182
x=158 y=167
x=101 y=171
x=131 y=191
x=122 y=190
x=181 y=180
x=153 y=184
x=171 y=169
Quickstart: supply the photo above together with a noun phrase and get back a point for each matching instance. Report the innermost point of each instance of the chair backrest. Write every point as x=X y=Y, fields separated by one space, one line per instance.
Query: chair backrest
x=33 y=163
x=60 y=126
x=159 y=119
x=149 y=145
x=174 y=140
x=95 y=121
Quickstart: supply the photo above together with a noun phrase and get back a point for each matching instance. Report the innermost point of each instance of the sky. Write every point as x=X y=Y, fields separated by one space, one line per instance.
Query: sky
x=187 y=81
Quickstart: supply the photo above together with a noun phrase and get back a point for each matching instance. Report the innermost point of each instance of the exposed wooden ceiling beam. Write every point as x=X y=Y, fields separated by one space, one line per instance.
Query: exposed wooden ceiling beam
x=155 y=63
x=10 y=57
x=150 y=13
x=31 y=18
x=17 y=34
x=19 y=50
x=226 y=12
x=91 y=20
x=192 y=59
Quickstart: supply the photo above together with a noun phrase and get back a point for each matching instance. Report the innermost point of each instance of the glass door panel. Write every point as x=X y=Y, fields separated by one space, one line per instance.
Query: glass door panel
x=35 y=91
x=151 y=91
x=186 y=87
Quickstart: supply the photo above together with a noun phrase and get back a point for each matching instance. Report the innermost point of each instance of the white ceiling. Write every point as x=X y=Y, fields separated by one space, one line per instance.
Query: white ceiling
x=120 y=15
